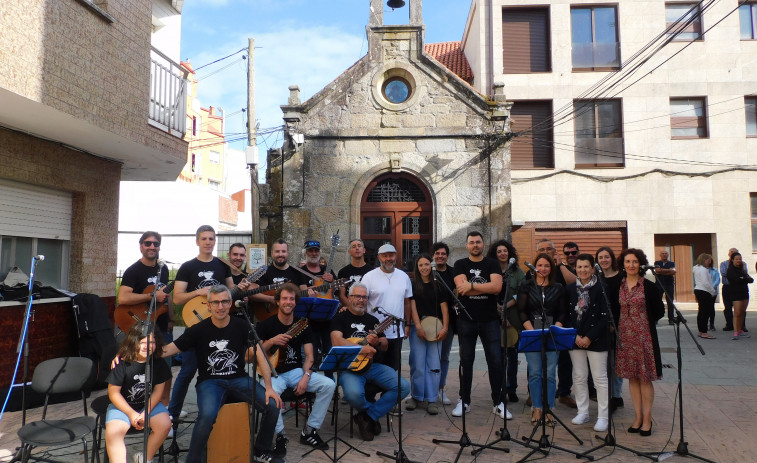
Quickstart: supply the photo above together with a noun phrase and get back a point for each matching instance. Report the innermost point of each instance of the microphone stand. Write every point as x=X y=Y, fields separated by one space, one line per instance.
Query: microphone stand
x=399 y=454
x=147 y=330
x=683 y=447
x=256 y=344
x=459 y=305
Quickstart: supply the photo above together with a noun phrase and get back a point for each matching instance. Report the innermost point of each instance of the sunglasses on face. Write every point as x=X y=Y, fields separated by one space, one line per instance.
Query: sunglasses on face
x=570 y=253
x=151 y=244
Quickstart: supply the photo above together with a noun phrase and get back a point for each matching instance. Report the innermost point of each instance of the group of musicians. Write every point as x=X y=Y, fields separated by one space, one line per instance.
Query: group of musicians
x=372 y=300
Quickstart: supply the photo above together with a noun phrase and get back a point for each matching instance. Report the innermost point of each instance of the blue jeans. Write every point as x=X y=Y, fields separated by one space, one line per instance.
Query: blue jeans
x=181 y=383
x=535 y=377
x=490 y=333
x=382 y=376
x=321 y=385
x=446 y=348
x=424 y=367
x=211 y=395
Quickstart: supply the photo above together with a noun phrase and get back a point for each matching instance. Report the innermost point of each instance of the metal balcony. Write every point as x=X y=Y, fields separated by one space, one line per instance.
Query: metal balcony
x=168 y=94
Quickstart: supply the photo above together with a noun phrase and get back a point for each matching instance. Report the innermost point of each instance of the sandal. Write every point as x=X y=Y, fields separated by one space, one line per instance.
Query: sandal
x=706 y=336
x=535 y=415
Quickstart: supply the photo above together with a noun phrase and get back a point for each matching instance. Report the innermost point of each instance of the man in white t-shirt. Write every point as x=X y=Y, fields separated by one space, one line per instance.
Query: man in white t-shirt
x=390 y=290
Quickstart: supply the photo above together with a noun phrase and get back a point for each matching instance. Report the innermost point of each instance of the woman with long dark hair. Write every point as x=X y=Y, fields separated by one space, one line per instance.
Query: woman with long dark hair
x=588 y=315
x=542 y=292
x=612 y=277
x=512 y=277
x=428 y=300
x=738 y=279
x=639 y=360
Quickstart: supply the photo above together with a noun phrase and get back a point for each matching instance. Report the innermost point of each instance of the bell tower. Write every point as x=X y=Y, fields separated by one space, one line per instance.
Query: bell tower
x=377 y=11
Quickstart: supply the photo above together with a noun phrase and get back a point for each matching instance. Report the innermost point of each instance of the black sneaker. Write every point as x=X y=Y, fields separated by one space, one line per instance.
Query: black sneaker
x=266 y=456
x=376 y=426
x=280 y=447
x=364 y=426
x=728 y=328
x=512 y=397
x=313 y=440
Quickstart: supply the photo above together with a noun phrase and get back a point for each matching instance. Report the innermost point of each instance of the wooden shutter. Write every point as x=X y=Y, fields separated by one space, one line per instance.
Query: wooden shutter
x=525 y=40
x=532 y=150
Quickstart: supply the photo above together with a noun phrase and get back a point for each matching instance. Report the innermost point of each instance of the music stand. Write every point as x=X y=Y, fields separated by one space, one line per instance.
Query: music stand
x=338 y=359
x=554 y=338
x=316 y=308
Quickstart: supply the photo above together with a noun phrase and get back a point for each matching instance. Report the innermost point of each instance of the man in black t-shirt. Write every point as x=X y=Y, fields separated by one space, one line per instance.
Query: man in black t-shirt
x=440 y=255
x=478 y=281
x=355 y=270
x=356 y=323
x=137 y=278
x=294 y=372
x=221 y=346
x=279 y=272
x=320 y=328
x=237 y=256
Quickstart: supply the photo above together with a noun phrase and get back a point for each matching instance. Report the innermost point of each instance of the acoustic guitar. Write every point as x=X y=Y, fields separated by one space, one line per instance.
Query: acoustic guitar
x=126 y=315
x=295 y=330
x=196 y=309
x=329 y=264
x=263 y=310
x=362 y=362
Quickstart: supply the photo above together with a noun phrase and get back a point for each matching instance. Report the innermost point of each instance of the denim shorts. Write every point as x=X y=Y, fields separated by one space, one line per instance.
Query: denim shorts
x=114 y=413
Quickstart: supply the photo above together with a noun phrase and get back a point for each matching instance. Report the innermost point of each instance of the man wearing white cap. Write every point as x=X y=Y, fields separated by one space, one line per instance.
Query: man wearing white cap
x=390 y=290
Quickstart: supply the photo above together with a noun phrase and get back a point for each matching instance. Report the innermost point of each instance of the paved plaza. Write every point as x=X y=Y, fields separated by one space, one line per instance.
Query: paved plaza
x=719 y=401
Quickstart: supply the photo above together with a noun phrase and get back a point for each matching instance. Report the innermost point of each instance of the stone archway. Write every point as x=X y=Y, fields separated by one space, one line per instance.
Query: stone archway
x=397 y=207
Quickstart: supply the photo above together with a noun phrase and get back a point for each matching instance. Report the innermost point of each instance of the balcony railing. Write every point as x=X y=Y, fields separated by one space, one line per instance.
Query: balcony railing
x=596 y=56
x=168 y=94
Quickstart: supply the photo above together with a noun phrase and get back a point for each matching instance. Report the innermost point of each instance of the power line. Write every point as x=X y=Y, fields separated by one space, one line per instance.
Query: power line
x=221 y=59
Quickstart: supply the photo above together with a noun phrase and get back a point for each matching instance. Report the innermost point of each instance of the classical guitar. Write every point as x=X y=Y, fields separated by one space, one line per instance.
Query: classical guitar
x=126 y=315
x=263 y=310
x=363 y=361
x=196 y=309
x=295 y=330
x=330 y=264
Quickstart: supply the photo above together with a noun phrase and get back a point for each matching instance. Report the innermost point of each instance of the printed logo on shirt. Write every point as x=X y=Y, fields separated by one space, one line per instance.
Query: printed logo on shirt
x=360 y=333
x=207 y=279
x=137 y=391
x=356 y=278
x=152 y=280
x=278 y=280
x=291 y=357
x=222 y=361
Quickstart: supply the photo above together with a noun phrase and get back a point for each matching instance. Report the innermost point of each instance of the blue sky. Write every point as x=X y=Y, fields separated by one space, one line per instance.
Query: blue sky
x=303 y=42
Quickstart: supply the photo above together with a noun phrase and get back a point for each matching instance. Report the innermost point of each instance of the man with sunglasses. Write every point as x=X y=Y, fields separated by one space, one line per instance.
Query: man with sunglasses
x=222 y=348
x=138 y=277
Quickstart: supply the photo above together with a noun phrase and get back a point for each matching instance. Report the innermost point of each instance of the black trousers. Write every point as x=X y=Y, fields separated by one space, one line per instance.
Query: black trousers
x=706 y=303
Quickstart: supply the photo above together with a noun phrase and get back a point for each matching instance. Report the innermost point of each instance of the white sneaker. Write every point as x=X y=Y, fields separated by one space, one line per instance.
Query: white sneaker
x=183 y=414
x=445 y=400
x=170 y=433
x=601 y=425
x=581 y=418
x=458 y=411
x=498 y=410
x=138 y=457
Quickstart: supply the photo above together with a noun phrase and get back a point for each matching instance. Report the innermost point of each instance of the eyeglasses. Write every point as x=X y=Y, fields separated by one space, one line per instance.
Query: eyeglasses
x=356 y=296
x=151 y=243
x=216 y=304
x=545 y=249
x=570 y=253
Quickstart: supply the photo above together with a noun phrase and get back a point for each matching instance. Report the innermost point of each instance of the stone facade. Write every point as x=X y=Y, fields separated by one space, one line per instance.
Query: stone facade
x=348 y=134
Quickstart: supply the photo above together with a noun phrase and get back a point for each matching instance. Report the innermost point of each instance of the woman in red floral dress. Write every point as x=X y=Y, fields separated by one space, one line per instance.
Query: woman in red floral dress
x=639 y=359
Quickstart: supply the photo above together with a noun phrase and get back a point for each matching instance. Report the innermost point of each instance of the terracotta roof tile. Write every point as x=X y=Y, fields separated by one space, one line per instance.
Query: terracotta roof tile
x=452 y=57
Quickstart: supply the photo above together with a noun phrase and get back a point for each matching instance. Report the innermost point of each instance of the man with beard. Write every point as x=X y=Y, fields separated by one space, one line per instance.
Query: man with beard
x=355 y=270
x=138 y=277
x=440 y=256
x=356 y=323
x=279 y=272
x=321 y=332
x=221 y=345
x=237 y=256
x=293 y=370
x=390 y=289
x=478 y=281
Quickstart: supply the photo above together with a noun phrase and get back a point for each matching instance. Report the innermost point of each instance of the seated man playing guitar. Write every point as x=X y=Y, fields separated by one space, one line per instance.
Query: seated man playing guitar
x=285 y=337
x=354 y=326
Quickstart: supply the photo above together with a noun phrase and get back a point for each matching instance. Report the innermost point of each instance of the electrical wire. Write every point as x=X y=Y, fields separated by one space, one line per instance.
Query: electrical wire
x=220 y=59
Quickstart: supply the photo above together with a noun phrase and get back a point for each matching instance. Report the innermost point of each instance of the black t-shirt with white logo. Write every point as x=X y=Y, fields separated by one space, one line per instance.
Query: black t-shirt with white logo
x=131 y=377
x=274 y=275
x=139 y=276
x=354 y=326
x=198 y=274
x=220 y=351
x=290 y=356
x=482 y=307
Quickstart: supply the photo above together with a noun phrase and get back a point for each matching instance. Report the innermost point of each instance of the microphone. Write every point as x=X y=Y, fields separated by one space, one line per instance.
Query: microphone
x=39 y=257
x=433 y=271
x=240 y=304
x=648 y=267
x=528 y=264
x=377 y=309
x=511 y=262
x=598 y=269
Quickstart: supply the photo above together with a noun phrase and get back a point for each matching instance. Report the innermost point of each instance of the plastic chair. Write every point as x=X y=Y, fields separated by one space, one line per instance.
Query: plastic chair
x=58 y=376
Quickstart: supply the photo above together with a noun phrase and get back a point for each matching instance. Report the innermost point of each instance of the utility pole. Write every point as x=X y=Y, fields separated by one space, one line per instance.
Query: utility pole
x=251 y=151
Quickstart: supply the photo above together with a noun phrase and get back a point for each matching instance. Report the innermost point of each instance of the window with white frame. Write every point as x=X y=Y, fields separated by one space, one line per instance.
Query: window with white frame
x=688 y=118
x=748 y=21
x=750 y=107
x=214 y=157
x=594 y=35
x=684 y=21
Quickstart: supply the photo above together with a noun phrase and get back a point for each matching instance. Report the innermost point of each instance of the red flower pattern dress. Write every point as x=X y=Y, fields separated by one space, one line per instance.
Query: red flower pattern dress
x=636 y=359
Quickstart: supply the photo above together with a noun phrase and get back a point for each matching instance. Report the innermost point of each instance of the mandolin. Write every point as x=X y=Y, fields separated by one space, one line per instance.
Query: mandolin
x=126 y=315
x=363 y=361
x=295 y=330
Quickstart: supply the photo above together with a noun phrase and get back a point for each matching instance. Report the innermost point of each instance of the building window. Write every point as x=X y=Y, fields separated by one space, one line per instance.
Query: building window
x=688 y=118
x=684 y=20
x=214 y=185
x=396 y=90
x=525 y=40
x=594 y=35
x=753 y=198
x=214 y=157
x=750 y=106
x=17 y=251
x=194 y=162
x=532 y=147
x=598 y=133
x=748 y=21
x=194 y=125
